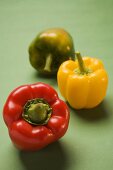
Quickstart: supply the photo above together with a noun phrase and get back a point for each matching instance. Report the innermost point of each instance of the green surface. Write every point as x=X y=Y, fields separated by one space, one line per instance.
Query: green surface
x=88 y=143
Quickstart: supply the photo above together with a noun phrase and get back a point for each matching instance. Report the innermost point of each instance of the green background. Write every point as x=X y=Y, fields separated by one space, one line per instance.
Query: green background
x=88 y=143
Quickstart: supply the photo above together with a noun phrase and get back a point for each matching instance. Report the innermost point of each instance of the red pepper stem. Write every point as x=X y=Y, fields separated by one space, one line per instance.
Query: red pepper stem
x=48 y=62
x=37 y=112
x=80 y=63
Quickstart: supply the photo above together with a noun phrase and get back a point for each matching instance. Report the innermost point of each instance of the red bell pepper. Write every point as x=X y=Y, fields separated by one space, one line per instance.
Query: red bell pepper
x=35 y=116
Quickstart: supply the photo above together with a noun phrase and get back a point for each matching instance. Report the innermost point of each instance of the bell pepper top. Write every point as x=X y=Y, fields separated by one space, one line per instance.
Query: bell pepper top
x=37 y=112
x=82 y=69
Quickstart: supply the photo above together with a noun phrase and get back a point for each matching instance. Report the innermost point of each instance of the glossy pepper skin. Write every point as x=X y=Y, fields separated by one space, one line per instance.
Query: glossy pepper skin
x=49 y=49
x=83 y=82
x=24 y=132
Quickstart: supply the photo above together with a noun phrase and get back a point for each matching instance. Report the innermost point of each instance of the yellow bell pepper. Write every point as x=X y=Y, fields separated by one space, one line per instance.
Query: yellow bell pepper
x=83 y=82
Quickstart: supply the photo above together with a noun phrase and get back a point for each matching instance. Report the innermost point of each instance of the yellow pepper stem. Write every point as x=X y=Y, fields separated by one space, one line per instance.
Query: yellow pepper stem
x=82 y=67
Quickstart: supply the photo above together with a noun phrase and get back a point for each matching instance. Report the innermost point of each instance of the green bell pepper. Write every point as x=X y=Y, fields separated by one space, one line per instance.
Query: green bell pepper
x=49 y=49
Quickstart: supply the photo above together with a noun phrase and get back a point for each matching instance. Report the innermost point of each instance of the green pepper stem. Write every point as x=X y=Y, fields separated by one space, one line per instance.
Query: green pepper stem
x=48 y=63
x=80 y=63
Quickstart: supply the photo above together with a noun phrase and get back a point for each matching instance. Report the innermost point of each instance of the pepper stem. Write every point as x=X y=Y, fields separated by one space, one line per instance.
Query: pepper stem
x=37 y=112
x=80 y=63
x=48 y=62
